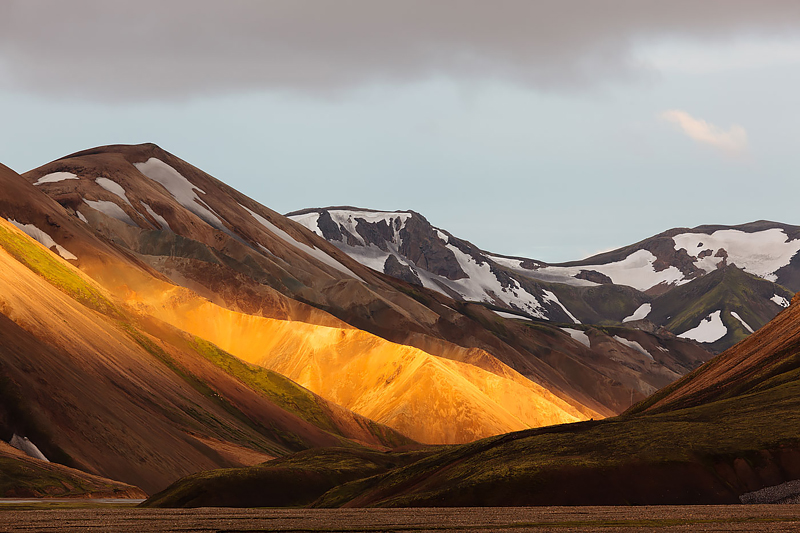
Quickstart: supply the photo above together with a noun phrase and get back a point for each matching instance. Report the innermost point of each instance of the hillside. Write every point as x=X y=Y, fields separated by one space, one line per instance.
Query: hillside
x=727 y=429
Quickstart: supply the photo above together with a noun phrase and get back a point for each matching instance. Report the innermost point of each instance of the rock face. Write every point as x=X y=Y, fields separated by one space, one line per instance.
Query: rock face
x=656 y=270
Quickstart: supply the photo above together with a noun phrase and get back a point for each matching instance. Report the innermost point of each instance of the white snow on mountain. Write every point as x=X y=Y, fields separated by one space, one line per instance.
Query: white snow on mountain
x=481 y=285
x=81 y=217
x=548 y=296
x=780 y=300
x=45 y=239
x=183 y=190
x=512 y=315
x=760 y=253
x=634 y=345
x=579 y=336
x=640 y=314
x=314 y=252
x=161 y=220
x=111 y=209
x=710 y=329
x=635 y=271
x=114 y=188
x=55 y=177
x=741 y=320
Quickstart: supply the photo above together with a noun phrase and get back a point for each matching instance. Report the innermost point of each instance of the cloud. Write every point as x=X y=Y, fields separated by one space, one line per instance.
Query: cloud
x=157 y=50
x=732 y=140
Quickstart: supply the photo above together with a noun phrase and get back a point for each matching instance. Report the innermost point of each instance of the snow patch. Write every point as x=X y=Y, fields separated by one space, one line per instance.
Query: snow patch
x=634 y=345
x=548 y=296
x=81 y=217
x=161 y=220
x=579 y=336
x=114 y=188
x=512 y=315
x=183 y=190
x=310 y=250
x=711 y=329
x=110 y=209
x=45 y=239
x=25 y=445
x=741 y=320
x=761 y=253
x=55 y=177
x=641 y=313
x=780 y=300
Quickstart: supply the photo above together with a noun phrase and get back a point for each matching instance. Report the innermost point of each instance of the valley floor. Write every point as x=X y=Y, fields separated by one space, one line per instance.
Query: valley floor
x=772 y=518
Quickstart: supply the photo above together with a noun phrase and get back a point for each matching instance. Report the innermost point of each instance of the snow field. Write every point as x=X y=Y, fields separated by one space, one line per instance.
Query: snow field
x=761 y=253
x=710 y=329
x=640 y=314
x=634 y=345
x=55 y=177
x=578 y=335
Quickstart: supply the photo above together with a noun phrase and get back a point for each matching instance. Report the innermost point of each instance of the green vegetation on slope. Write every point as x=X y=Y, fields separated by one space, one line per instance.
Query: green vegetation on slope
x=286 y=393
x=29 y=253
x=293 y=481
x=291 y=442
x=728 y=289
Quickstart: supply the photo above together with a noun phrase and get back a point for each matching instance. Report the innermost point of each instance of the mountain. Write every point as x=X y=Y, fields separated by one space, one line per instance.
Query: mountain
x=657 y=279
x=720 y=433
x=98 y=384
x=200 y=234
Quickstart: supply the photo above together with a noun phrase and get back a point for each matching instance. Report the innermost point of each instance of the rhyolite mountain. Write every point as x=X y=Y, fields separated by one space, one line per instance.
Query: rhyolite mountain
x=725 y=430
x=155 y=322
x=712 y=284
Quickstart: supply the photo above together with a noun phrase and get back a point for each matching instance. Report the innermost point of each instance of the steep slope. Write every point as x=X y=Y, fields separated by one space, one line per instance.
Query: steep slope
x=727 y=429
x=99 y=387
x=616 y=287
x=245 y=258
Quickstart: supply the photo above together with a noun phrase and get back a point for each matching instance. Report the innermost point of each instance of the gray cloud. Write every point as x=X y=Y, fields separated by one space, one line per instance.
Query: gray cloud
x=174 y=49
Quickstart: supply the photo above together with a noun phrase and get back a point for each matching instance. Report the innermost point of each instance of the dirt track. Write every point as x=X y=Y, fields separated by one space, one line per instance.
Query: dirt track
x=561 y=519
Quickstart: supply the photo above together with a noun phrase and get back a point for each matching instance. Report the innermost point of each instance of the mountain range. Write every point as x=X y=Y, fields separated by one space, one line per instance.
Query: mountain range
x=155 y=323
x=711 y=284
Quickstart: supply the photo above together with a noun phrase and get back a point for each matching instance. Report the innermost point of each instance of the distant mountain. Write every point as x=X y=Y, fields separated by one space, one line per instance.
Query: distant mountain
x=657 y=279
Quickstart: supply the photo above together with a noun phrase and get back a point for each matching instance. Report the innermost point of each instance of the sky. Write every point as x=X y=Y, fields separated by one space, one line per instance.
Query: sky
x=544 y=129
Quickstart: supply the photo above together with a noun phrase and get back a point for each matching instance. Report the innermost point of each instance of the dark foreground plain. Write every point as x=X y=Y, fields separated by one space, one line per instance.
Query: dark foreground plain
x=756 y=518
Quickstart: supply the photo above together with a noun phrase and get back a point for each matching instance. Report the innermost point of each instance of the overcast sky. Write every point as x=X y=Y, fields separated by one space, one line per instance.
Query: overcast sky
x=552 y=130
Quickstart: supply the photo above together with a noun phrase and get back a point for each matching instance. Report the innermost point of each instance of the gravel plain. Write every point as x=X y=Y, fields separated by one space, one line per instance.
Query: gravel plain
x=772 y=518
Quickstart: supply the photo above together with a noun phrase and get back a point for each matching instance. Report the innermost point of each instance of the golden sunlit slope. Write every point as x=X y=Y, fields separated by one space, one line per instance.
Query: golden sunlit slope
x=95 y=391
x=428 y=398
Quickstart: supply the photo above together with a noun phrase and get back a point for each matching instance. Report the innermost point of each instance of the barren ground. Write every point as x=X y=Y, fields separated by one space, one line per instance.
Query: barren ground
x=773 y=518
